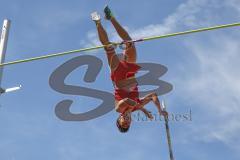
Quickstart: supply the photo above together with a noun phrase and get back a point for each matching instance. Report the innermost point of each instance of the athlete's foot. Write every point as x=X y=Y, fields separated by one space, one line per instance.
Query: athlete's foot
x=108 y=13
x=95 y=17
x=163 y=113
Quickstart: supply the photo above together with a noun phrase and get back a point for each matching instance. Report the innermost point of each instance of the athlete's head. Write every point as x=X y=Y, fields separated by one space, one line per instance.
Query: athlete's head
x=123 y=122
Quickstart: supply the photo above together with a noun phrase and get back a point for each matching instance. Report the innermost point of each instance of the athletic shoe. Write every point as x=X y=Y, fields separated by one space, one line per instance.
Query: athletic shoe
x=108 y=13
x=95 y=17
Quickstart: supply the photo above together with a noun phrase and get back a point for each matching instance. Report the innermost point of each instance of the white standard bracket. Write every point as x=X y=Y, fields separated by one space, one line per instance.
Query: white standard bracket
x=13 y=89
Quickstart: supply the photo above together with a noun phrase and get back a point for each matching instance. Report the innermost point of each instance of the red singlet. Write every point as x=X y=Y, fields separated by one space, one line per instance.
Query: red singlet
x=124 y=71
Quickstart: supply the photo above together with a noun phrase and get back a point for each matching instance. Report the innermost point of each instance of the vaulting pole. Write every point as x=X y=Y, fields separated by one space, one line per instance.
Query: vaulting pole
x=119 y=43
x=168 y=133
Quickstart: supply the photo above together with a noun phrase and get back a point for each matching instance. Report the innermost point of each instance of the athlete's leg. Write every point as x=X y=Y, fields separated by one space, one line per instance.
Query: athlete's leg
x=103 y=37
x=120 y=30
x=130 y=52
x=102 y=34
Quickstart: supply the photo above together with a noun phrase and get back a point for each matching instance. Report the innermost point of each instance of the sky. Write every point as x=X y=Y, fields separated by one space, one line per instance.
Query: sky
x=202 y=67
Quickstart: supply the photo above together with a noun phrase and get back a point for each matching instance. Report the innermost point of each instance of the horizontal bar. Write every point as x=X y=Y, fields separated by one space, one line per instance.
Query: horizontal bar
x=118 y=43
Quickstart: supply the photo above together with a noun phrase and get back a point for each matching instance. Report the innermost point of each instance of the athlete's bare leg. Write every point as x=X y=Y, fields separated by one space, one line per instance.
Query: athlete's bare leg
x=130 y=51
x=110 y=51
x=102 y=34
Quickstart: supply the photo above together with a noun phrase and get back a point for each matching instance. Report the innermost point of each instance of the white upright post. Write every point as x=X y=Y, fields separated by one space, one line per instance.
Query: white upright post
x=3 y=48
x=3 y=44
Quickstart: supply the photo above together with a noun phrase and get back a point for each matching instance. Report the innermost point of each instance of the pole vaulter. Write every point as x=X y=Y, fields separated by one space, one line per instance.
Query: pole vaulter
x=127 y=98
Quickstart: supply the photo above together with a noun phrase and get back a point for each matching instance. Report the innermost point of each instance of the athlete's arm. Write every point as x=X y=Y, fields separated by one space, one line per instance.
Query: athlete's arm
x=112 y=57
x=147 y=113
x=152 y=97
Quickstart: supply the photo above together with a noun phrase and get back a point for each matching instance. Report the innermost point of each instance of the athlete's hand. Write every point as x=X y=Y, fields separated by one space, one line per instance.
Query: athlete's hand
x=164 y=113
x=149 y=115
